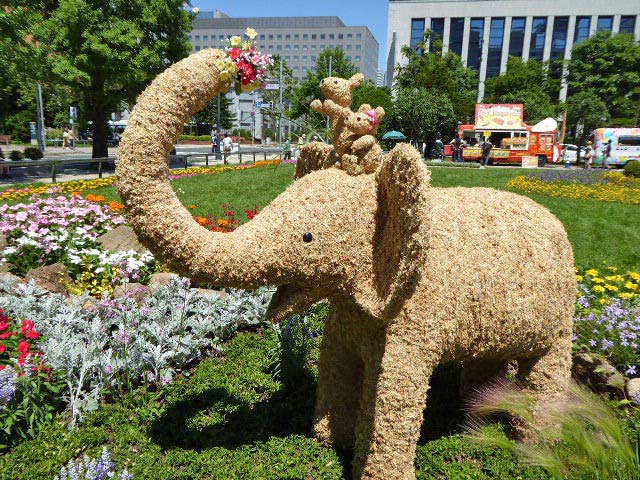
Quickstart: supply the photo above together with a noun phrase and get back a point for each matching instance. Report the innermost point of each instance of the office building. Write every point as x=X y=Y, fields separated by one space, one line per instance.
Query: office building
x=298 y=39
x=486 y=32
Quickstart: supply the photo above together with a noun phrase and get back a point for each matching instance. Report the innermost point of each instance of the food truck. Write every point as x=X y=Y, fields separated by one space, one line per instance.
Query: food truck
x=624 y=144
x=503 y=125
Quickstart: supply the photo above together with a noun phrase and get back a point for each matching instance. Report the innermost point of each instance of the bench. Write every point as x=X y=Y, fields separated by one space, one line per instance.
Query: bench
x=6 y=139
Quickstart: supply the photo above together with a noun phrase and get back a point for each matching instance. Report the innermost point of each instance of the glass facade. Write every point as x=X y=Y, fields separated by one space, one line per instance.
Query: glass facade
x=494 y=57
x=538 y=33
x=417 y=32
x=437 y=32
x=627 y=24
x=456 y=35
x=474 y=53
x=583 y=25
x=559 y=37
x=605 y=24
x=516 y=39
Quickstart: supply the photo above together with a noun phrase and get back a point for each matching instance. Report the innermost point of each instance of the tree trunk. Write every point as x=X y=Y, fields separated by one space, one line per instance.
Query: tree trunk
x=100 y=118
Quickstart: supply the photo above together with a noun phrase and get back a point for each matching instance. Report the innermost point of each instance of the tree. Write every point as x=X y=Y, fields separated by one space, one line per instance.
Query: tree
x=309 y=88
x=421 y=114
x=440 y=73
x=107 y=52
x=376 y=97
x=609 y=67
x=585 y=113
x=528 y=83
x=209 y=114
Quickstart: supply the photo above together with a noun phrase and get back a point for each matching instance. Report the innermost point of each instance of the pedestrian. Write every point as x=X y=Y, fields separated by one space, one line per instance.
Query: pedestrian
x=456 y=145
x=65 y=138
x=607 y=154
x=588 y=156
x=302 y=139
x=486 y=152
x=227 y=143
x=72 y=139
x=286 y=149
x=214 y=141
x=439 y=148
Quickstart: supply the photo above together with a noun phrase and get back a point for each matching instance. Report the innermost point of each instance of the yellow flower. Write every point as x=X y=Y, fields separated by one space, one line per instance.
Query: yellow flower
x=613 y=269
x=592 y=272
x=634 y=275
x=603 y=301
x=235 y=41
x=597 y=280
x=579 y=278
x=611 y=288
x=631 y=286
x=626 y=296
x=598 y=289
x=251 y=33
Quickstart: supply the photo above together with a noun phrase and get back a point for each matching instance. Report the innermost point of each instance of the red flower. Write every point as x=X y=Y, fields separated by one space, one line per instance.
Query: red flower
x=3 y=325
x=23 y=347
x=2 y=367
x=32 y=335
x=2 y=348
x=5 y=335
x=23 y=358
x=27 y=325
x=235 y=53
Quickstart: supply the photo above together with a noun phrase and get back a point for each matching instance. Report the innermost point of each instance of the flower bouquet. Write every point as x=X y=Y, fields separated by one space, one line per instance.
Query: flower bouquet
x=248 y=64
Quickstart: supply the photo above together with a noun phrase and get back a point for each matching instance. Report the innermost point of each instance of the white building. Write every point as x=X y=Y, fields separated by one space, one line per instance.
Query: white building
x=486 y=32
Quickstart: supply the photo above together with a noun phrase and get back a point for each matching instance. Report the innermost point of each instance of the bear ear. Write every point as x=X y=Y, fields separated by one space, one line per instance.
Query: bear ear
x=365 y=107
x=401 y=232
x=380 y=113
x=356 y=80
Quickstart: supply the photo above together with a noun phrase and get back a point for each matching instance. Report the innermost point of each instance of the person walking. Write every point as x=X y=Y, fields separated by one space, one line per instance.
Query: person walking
x=214 y=141
x=227 y=144
x=286 y=149
x=301 y=141
x=71 y=139
x=588 y=157
x=439 y=148
x=456 y=145
x=607 y=154
x=65 y=138
x=486 y=152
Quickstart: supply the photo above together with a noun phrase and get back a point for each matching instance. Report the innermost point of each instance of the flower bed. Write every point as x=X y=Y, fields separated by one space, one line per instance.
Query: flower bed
x=608 y=317
x=604 y=186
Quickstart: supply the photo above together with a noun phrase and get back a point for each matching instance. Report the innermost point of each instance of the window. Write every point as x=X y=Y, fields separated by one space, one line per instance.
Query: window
x=297 y=35
x=295 y=58
x=349 y=57
x=313 y=47
x=331 y=36
x=304 y=58
x=288 y=58
x=437 y=31
x=221 y=37
x=205 y=38
x=559 y=37
x=496 y=34
x=358 y=58
x=287 y=47
x=349 y=35
x=296 y=47
x=358 y=47
x=358 y=35
x=538 y=33
x=198 y=48
x=313 y=58
x=271 y=36
x=197 y=38
x=189 y=37
x=262 y=37
x=313 y=36
x=417 y=32
x=627 y=24
x=456 y=34
x=296 y=68
x=340 y=36
x=304 y=47
x=605 y=24
x=287 y=36
x=305 y=35
x=279 y=47
x=279 y=36
x=474 y=52
x=322 y=36
x=583 y=25
x=516 y=39
x=349 y=47
x=270 y=47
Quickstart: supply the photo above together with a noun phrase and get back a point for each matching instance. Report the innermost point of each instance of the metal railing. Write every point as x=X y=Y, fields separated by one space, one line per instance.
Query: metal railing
x=182 y=158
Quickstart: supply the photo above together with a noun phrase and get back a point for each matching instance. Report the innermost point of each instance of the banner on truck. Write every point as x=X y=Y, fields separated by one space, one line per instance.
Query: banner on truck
x=499 y=116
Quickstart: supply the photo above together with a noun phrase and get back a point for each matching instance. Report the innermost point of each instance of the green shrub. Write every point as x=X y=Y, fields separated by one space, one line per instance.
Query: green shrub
x=34 y=153
x=444 y=163
x=54 y=133
x=632 y=169
x=201 y=138
x=16 y=155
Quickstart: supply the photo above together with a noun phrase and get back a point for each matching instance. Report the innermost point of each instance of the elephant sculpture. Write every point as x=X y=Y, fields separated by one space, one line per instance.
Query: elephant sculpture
x=416 y=275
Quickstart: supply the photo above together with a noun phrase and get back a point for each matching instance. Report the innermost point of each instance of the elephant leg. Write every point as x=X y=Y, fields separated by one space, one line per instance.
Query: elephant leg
x=339 y=387
x=395 y=388
x=546 y=377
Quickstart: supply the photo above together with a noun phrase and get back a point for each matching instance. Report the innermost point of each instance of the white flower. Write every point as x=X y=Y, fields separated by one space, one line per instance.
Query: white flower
x=235 y=41
x=251 y=33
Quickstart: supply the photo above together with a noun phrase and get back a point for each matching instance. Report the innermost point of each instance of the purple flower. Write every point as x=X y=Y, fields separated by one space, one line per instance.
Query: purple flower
x=632 y=370
x=606 y=344
x=593 y=343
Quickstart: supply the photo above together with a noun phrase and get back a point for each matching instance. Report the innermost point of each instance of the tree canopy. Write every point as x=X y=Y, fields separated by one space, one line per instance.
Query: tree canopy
x=422 y=114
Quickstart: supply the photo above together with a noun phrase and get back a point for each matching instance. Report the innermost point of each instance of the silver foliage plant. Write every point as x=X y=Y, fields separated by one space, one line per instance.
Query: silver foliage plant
x=112 y=345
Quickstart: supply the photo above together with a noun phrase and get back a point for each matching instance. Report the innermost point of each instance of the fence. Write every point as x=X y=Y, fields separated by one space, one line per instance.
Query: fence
x=182 y=159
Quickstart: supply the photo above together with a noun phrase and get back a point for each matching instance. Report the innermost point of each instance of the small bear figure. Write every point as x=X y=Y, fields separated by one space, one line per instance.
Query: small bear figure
x=366 y=154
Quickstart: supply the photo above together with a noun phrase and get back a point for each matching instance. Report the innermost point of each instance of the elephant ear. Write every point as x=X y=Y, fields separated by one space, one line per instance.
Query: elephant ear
x=402 y=224
x=315 y=156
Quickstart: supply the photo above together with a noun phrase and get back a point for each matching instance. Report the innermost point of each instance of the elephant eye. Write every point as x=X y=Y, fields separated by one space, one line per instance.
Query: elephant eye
x=307 y=237
x=335 y=81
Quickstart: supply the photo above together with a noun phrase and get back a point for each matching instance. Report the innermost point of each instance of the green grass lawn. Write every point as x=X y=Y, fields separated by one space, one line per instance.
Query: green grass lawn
x=601 y=232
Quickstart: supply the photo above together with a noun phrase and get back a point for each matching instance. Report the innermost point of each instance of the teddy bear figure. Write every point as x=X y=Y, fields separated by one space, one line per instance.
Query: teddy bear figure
x=366 y=154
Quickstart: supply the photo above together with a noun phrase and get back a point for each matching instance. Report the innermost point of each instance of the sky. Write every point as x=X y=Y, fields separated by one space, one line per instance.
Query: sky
x=370 y=13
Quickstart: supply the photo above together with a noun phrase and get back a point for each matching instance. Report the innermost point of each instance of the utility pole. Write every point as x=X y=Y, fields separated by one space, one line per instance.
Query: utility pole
x=330 y=65
x=218 y=149
x=41 y=133
x=280 y=118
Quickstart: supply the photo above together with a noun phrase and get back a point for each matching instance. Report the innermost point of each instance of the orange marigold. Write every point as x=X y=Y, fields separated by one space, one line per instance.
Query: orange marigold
x=202 y=220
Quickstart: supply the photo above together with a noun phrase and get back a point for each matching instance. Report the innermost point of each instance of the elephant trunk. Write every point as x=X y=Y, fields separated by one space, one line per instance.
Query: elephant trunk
x=161 y=222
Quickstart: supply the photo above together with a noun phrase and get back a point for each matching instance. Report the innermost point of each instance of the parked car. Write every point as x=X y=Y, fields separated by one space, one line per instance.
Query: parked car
x=570 y=152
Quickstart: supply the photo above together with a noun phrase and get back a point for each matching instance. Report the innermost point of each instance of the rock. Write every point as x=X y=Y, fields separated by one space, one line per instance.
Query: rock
x=53 y=278
x=598 y=374
x=6 y=276
x=161 y=279
x=137 y=291
x=633 y=390
x=210 y=294
x=121 y=239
